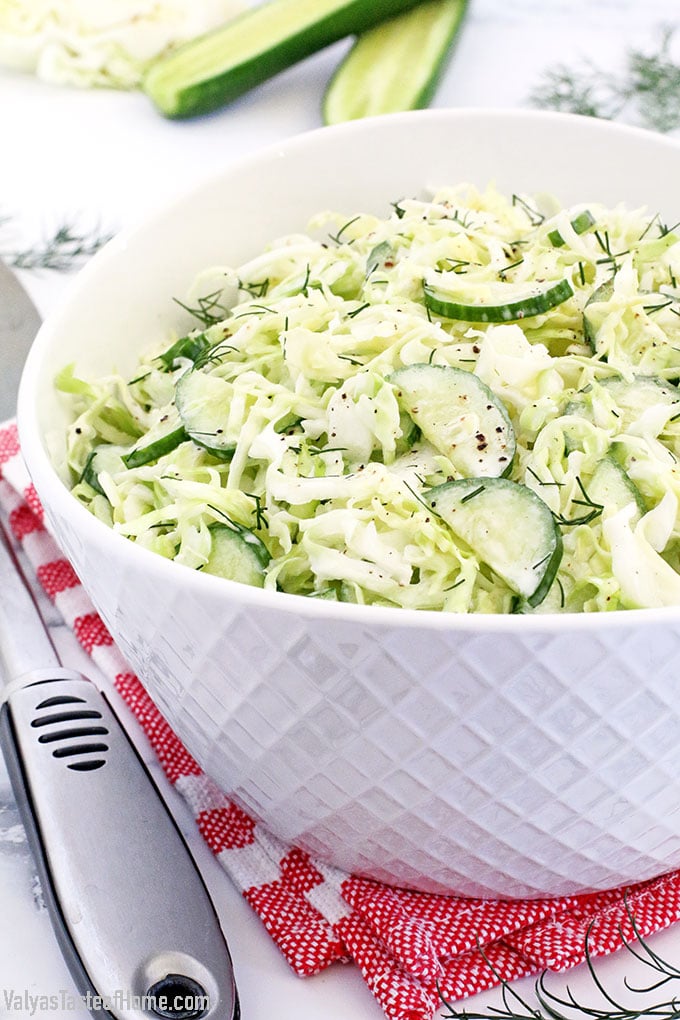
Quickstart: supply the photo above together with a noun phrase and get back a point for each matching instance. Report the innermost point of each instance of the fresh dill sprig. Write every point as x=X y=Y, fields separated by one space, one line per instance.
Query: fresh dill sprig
x=550 y=1005
x=594 y=510
x=458 y=266
x=214 y=354
x=465 y=220
x=655 y=85
x=664 y=229
x=535 y=217
x=609 y=258
x=561 y=590
x=337 y=238
x=650 y=309
x=650 y=224
x=256 y=290
x=259 y=512
x=65 y=249
x=234 y=524
x=647 y=90
x=582 y=90
x=540 y=480
x=506 y=269
x=207 y=310
x=420 y=499
x=471 y=495
x=314 y=451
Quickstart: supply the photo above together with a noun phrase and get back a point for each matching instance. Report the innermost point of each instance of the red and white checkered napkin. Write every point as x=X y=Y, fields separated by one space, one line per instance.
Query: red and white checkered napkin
x=409 y=946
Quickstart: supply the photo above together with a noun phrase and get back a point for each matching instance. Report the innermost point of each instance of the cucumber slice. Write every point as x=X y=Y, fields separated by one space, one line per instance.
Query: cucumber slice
x=632 y=399
x=161 y=444
x=579 y=225
x=215 y=68
x=380 y=75
x=237 y=554
x=459 y=415
x=511 y=306
x=594 y=312
x=611 y=487
x=507 y=526
x=202 y=401
x=103 y=458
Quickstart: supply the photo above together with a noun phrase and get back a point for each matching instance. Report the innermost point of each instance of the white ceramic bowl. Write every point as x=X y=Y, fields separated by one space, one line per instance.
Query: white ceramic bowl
x=485 y=755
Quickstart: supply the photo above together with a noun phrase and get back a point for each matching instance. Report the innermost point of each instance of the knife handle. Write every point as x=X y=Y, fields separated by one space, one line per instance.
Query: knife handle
x=131 y=912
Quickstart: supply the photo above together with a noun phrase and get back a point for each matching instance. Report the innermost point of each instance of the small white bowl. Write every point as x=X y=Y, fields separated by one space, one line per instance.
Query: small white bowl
x=504 y=756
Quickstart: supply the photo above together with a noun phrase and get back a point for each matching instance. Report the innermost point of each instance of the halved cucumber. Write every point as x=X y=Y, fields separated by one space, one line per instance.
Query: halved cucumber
x=161 y=440
x=106 y=458
x=237 y=554
x=459 y=415
x=511 y=305
x=397 y=65
x=612 y=489
x=507 y=526
x=203 y=401
x=215 y=68
x=579 y=225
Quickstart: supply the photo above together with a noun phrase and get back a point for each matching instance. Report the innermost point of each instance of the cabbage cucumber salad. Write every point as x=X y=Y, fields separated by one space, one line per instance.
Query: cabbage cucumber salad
x=469 y=405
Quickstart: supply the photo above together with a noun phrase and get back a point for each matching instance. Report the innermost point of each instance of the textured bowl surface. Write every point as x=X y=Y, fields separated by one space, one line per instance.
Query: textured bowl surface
x=482 y=755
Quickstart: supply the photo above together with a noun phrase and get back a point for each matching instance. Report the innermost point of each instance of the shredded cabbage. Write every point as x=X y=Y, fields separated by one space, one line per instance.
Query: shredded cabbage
x=101 y=42
x=296 y=348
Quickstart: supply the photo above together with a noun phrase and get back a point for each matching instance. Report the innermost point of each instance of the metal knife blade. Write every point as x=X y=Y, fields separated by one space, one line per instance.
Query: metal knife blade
x=24 y=647
x=129 y=907
x=19 y=322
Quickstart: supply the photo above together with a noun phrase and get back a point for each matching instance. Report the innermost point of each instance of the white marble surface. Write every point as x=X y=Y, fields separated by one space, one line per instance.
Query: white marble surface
x=104 y=158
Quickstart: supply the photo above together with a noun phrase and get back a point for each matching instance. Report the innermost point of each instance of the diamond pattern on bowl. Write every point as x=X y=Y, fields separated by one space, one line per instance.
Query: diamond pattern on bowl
x=507 y=764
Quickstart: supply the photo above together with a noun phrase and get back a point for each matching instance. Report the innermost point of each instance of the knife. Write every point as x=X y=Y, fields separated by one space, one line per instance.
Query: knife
x=19 y=322
x=130 y=910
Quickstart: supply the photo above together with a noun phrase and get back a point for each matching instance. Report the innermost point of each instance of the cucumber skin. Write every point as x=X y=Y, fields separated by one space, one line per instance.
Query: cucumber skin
x=580 y=224
x=512 y=311
x=219 y=89
x=152 y=451
x=89 y=474
x=602 y=293
x=423 y=98
x=550 y=572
